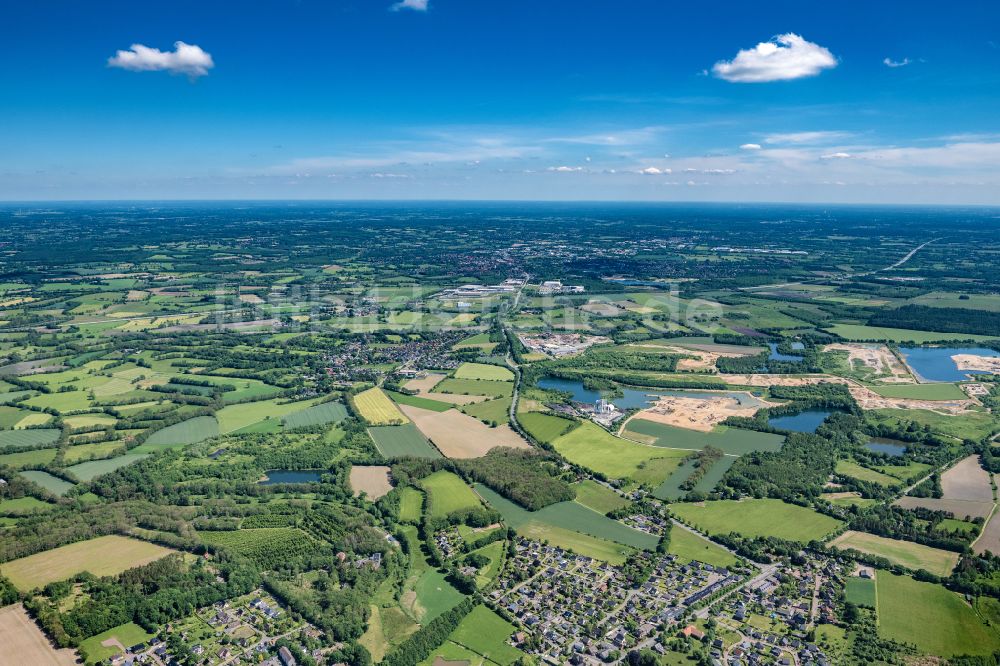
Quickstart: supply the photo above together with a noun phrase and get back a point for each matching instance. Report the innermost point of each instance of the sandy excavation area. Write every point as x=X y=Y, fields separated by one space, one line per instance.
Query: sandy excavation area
x=974 y=362
x=373 y=480
x=696 y=413
x=458 y=435
x=697 y=359
x=877 y=358
x=24 y=643
x=864 y=396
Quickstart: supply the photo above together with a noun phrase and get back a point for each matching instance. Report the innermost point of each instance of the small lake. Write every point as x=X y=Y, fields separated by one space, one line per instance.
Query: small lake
x=638 y=398
x=935 y=364
x=778 y=356
x=889 y=447
x=806 y=421
x=291 y=476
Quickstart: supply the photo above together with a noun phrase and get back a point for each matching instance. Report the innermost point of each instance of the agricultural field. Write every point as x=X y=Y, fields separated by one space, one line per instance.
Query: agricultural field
x=373 y=480
x=191 y=431
x=411 y=504
x=733 y=441
x=757 y=517
x=688 y=546
x=856 y=471
x=905 y=553
x=484 y=372
x=458 y=435
x=447 y=493
x=19 y=635
x=922 y=391
x=404 y=440
x=934 y=619
x=860 y=591
x=877 y=334
x=103 y=556
x=544 y=427
x=598 y=497
x=327 y=412
x=485 y=634
x=571 y=517
x=594 y=448
x=377 y=409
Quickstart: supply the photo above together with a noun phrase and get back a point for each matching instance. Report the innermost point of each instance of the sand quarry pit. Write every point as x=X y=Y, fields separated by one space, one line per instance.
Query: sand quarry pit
x=877 y=358
x=24 y=643
x=697 y=413
x=864 y=396
x=975 y=362
x=458 y=435
x=373 y=480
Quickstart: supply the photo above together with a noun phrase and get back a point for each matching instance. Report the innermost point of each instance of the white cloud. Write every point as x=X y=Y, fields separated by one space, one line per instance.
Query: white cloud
x=889 y=62
x=565 y=169
x=835 y=156
x=805 y=137
x=415 y=5
x=750 y=146
x=784 y=58
x=654 y=171
x=186 y=59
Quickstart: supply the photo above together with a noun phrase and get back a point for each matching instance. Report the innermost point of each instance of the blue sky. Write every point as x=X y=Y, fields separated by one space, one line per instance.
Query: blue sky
x=471 y=99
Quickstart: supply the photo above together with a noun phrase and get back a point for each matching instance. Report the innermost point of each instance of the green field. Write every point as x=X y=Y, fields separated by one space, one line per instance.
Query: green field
x=570 y=516
x=475 y=387
x=862 y=333
x=860 y=591
x=25 y=438
x=490 y=412
x=544 y=427
x=426 y=592
x=417 y=401
x=595 y=448
x=89 y=471
x=970 y=425
x=598 y=497
x=688 y=546
x=905 y=553
x=51 y=483
x=327 y=412
x=411 y=504
x=856 y=471
x=376 y=408
x=103 y=556
x=733 y=441
x=921 y=391
x=127 y=634
x=191 y=431
x=485 y=633
x=235 y=417
x=404 y=440
x=26 y=458
x=757 y=517
x=934 y=619
x=494 y=373
x=447 y=493
x=23 y=505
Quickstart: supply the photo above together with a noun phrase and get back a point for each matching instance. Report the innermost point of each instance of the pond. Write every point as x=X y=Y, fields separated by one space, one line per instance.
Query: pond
x=778 y=356
x=806 y=421
x=291 y=476
x=889 y=447
x=935 y=364
x=638 y=398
